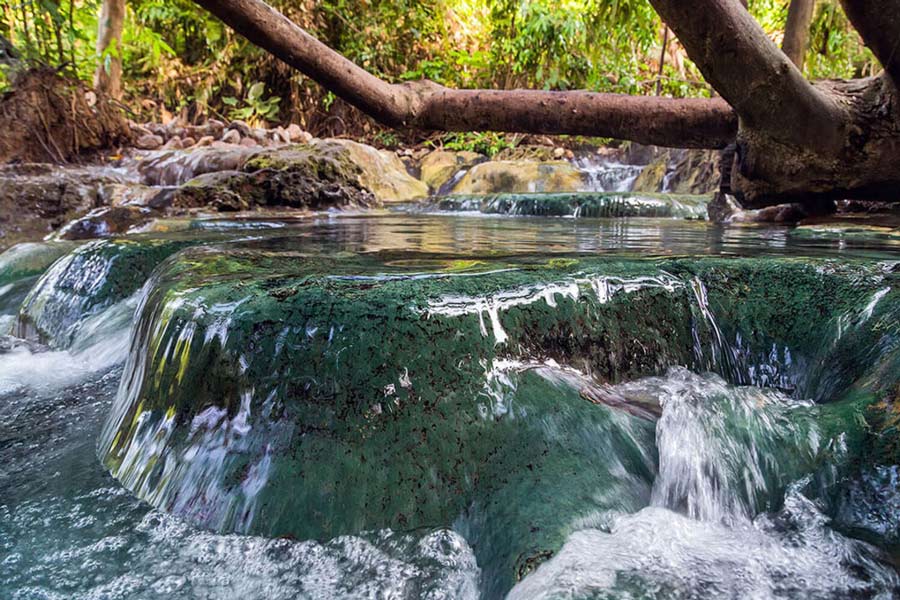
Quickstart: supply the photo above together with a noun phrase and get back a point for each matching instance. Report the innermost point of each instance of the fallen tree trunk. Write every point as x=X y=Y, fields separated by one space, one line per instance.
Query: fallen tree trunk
x=689 y=123
x=795 y=140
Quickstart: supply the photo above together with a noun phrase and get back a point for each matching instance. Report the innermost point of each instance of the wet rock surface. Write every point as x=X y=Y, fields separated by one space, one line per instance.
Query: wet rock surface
x=276 y=361
x=520 y=177
x=438 y=167
x=680 y=171
x=36 y=199
x=575 y=205
x=512 y=382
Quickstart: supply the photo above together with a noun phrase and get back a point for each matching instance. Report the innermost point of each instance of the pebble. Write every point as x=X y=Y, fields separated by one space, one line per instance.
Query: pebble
x=231 y=137
x=149 y=142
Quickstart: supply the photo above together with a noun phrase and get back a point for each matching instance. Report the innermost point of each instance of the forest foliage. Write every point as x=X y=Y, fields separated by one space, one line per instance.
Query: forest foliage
x=179 y=60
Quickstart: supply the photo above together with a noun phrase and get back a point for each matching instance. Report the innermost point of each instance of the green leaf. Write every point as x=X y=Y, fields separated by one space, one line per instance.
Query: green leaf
x=256 y=91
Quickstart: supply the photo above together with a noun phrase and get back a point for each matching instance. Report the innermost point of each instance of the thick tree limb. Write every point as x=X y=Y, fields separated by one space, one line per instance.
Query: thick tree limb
x=698 y=123
x=752 y=74
x=878 y=22
x=796 y=30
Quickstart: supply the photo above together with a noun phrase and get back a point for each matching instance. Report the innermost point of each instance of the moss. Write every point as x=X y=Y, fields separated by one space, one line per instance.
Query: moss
x=371 y=395
x=92 y=277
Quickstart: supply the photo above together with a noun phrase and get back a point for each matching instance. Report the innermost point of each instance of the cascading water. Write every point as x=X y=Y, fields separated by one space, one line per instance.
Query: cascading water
x=728 y=514
x=603 y=175
x=453 y=408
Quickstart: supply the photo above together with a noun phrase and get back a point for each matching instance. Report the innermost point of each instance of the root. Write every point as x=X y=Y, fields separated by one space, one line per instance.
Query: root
x=47 y=118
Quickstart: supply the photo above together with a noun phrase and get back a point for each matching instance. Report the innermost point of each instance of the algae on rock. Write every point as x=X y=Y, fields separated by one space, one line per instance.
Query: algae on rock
x=317 y=396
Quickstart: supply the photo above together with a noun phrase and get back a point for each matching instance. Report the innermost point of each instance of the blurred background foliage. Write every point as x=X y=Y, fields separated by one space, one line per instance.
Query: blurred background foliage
x=178 y=60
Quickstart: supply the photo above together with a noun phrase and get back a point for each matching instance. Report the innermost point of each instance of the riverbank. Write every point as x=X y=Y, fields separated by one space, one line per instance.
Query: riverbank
x=180 y=170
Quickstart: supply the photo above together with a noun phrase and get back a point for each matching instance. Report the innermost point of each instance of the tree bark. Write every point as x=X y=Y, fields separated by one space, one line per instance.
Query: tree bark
x=693 y=123
x=878 y=22
x=108 y=76
x=751 y=73
x=796 y=31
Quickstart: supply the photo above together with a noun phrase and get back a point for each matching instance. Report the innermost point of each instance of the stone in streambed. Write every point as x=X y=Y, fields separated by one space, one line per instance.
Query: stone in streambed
x=107 y=221
x=22 y=265
x=439 y=166
x=327 y=173
x=508 y=176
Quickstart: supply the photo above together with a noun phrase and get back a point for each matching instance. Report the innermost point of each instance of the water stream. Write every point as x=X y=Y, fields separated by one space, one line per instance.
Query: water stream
x=399 y=404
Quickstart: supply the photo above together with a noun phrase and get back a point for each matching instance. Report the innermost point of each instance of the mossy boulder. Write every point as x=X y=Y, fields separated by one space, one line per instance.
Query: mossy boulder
x=94 y=276
x=312 y=396
x=322 y=174
x=518 y=177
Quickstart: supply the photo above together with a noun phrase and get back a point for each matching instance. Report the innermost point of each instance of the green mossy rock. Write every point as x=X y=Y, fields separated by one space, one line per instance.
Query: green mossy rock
x=94 y=276
x=20 y=267
x=281 y=393
x=322 y=174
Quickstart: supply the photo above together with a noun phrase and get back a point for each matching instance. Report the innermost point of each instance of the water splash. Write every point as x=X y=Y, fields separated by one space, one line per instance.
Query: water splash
x=603 y=289
x=603 y=175
x=723 y=522
x=657 y=553
x=100 y=342
x=724 y=451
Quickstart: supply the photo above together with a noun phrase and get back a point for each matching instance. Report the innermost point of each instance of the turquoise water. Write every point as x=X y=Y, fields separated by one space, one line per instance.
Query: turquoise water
x=698 y=487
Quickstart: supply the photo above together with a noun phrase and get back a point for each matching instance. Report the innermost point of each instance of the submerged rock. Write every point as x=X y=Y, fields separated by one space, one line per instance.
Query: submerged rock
x=518 y=177
x=92 y=277
x=20 y=267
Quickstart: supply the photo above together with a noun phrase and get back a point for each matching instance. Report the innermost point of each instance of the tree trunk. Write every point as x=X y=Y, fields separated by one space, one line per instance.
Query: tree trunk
x=795 y=140
x=108 y=76
x=796 y=31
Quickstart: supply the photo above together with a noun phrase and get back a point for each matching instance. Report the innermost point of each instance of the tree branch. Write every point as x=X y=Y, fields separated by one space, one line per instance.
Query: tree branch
x=878 y=22
x=699 y=123
x=752 y=74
